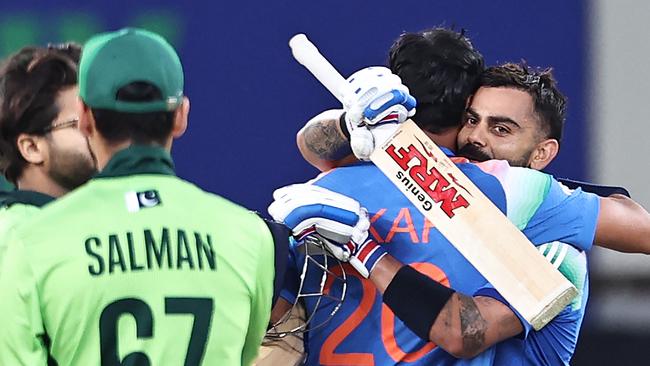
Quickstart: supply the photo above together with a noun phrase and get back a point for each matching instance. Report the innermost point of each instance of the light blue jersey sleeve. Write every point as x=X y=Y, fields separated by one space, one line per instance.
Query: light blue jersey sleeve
x=569 y=216
x=544 y=209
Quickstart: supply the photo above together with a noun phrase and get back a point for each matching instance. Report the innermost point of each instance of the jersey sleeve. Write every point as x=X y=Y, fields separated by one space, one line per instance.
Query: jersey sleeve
x=565 y=215
x=22 y=335
x=555 y=343
x=262 y=297
x=544 y=209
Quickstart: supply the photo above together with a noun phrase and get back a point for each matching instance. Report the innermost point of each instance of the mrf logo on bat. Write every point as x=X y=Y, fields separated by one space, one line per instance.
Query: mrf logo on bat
x=434 y=187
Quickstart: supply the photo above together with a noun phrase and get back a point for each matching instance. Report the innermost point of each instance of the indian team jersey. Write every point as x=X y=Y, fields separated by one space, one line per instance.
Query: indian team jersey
x=137 y=267
x=365 y=331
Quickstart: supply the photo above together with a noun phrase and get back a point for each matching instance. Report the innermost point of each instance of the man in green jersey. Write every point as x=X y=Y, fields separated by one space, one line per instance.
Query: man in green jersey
x=137 y=266
x=41 y=150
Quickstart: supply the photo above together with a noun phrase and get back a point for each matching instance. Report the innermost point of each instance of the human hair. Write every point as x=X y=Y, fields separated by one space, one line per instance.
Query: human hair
x=141 y=128
x=441 y=68
x=30 y=81
x=549 y=103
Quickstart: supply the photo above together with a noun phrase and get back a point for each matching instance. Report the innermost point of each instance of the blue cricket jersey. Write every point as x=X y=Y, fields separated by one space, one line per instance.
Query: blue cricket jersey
x=366 y=332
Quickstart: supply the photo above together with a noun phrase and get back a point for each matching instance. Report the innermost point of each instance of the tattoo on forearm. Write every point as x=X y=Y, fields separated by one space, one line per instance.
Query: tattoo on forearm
x=472 y=324
x=324 y=139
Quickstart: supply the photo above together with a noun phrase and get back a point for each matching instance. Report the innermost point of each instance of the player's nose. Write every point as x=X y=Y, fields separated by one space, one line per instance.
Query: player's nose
x=477 y=136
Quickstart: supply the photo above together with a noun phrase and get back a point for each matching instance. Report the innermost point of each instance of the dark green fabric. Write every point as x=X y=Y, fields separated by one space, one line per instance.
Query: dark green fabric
x=33 y=198
x=138 y=159
x=5 y=185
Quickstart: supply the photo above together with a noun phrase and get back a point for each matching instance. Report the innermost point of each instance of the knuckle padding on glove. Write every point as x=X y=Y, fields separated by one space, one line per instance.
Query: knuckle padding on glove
x=319 y=210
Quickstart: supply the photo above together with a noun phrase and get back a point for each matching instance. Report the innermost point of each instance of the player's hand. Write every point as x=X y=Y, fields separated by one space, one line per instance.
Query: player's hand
x=375 y=101
x=339 y=221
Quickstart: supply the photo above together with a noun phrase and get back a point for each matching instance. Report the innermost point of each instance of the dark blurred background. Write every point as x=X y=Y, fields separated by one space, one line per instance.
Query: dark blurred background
x=249 y=97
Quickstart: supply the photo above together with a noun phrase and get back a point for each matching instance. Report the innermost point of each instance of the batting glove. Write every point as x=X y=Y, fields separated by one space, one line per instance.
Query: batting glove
x=374 y=97
x=338 y=221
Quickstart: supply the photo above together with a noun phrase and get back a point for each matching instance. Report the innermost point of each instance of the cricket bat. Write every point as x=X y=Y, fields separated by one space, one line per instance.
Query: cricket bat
x=459 y=210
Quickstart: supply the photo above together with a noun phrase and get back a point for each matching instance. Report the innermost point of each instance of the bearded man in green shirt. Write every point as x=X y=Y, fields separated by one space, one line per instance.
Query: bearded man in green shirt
x=42 y=152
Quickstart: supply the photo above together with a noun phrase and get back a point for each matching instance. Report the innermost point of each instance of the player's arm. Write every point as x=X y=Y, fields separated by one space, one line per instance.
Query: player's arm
x=323 y=142
x=462 y=325
x=577 y=216
x=375 y=101
x=623 y=225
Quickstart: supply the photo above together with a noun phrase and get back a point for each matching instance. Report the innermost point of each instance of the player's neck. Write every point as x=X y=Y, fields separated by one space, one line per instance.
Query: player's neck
x=36 y=179
x=104 y=152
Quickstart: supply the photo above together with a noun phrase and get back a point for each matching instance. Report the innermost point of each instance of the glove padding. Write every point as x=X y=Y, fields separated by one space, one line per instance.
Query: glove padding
x=374 y=96
x=339 y=221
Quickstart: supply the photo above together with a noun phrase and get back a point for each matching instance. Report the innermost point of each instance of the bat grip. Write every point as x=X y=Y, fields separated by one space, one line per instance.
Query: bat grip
x=308 y=55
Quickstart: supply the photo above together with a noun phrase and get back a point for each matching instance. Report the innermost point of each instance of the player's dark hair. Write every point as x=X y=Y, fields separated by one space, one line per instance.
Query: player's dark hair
x=549 y=102
x=441 y=68
x=141 y=128
x=30 y=80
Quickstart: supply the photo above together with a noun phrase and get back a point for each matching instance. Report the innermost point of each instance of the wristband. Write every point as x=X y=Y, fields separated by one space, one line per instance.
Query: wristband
x=416 y=300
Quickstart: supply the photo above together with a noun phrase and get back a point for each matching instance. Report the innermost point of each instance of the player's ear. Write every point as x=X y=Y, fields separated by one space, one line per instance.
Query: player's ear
x=180 y=118
x=544 y=153
x=86 y=119
x=32 y=148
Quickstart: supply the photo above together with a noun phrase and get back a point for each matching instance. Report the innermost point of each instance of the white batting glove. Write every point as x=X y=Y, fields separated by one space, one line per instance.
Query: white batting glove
x=374 y=97
x=339 y=221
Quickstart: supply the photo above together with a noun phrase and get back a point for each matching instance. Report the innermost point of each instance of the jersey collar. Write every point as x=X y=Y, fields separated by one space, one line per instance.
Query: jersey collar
x=447 y=151
x=32 y=198
x=138 y=159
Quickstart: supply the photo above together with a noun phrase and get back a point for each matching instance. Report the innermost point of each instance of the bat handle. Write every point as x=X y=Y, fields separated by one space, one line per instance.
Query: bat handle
x=308 y=55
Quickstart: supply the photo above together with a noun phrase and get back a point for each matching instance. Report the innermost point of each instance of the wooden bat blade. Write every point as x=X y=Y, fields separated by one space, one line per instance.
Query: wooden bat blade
x=474 y=225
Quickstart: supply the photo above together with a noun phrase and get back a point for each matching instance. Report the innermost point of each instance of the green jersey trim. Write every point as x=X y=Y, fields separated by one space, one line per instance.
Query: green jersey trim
x=7 y=199
x=524 y=203
x=138 y=159
x=571 y=262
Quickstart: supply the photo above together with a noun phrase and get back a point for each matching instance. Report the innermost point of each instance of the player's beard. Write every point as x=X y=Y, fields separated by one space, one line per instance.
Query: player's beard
x=472 y=152
x=71 y=168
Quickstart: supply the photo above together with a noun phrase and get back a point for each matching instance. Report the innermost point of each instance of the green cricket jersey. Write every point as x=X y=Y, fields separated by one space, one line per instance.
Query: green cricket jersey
x=137 y=267
x=16 y=206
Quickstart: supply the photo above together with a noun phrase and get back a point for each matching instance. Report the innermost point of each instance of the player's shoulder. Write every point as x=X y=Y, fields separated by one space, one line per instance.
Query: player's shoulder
x=512 y=177
x=17 y=212
x=525 y=189
x=365 y=176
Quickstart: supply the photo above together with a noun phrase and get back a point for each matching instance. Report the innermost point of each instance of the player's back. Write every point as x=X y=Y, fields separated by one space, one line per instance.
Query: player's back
x=365 y=329
x=148 y=266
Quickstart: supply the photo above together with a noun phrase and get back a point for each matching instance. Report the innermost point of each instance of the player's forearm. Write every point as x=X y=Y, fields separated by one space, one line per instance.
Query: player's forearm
x=322 y=143
x=462 y=325
x=623 y=225
x=467 y=325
